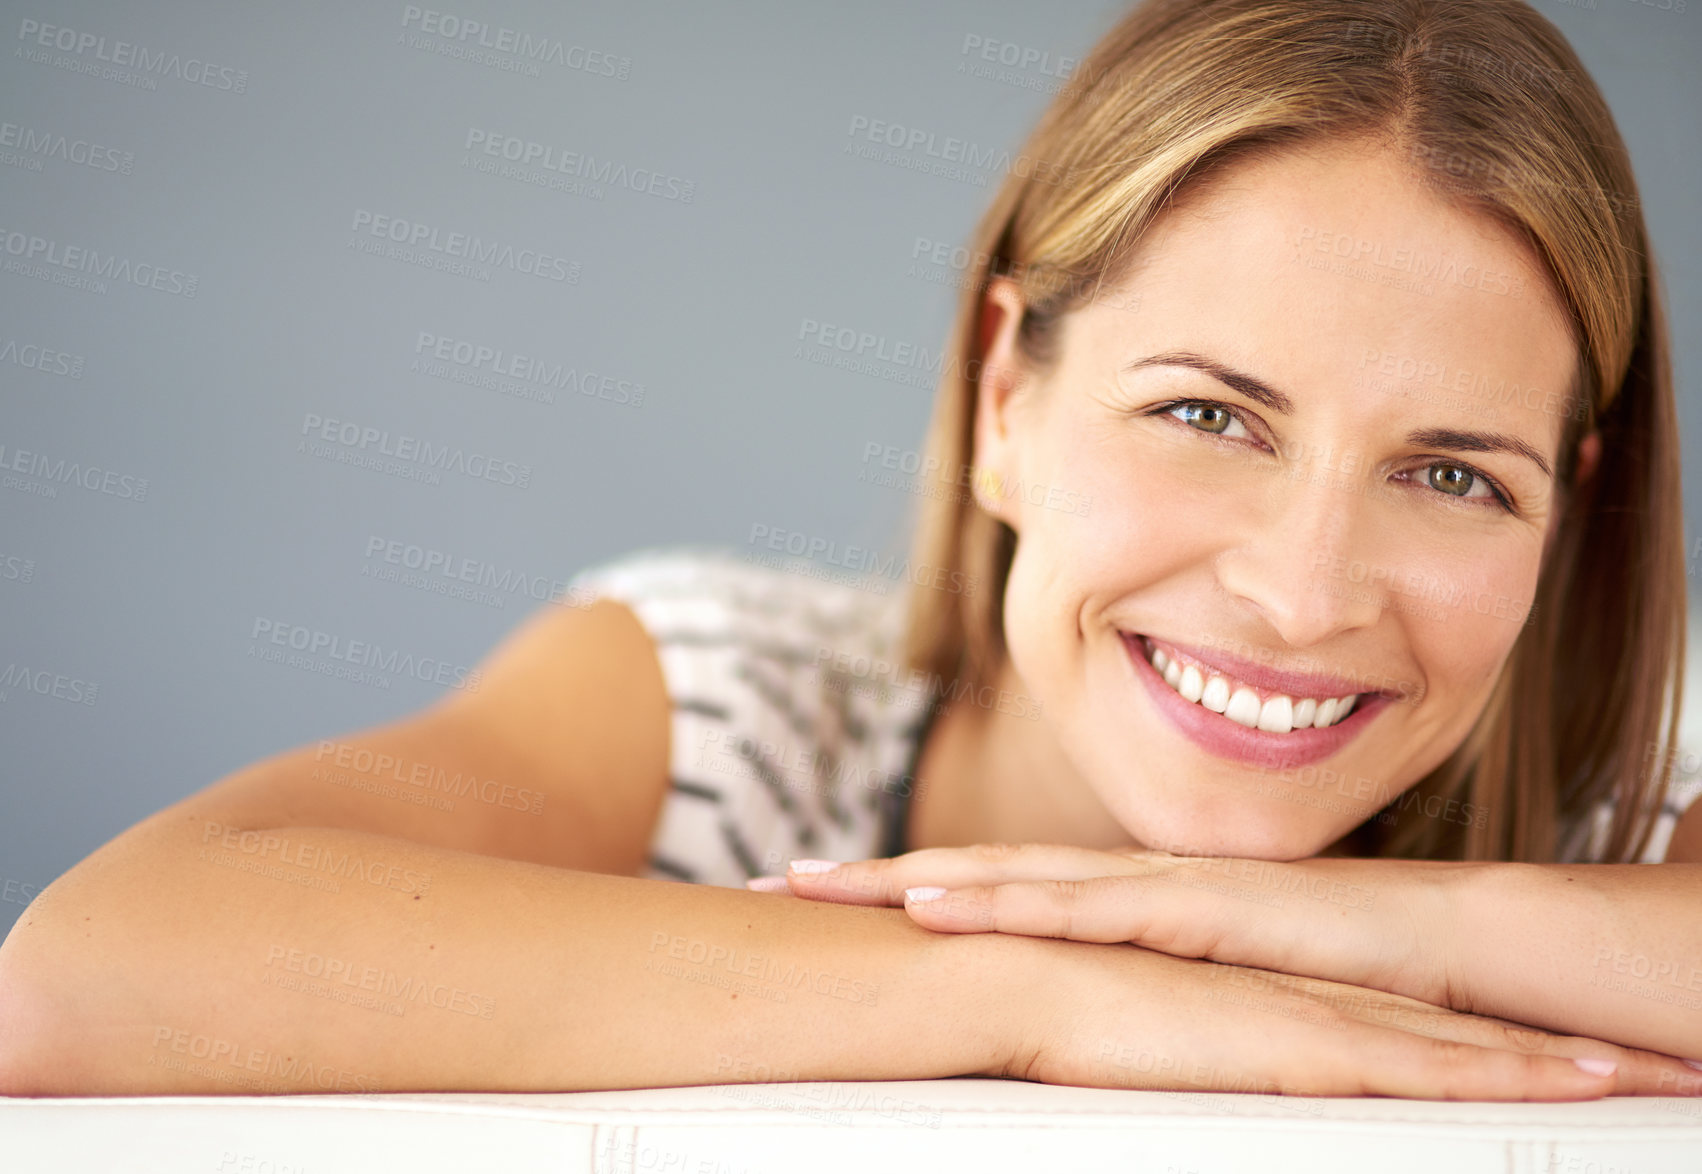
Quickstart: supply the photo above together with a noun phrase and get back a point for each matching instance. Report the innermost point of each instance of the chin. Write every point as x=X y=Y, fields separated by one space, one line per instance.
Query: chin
x=1237 y=833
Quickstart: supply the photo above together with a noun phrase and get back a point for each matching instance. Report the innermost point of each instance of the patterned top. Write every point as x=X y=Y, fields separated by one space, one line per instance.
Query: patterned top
x=795 y=730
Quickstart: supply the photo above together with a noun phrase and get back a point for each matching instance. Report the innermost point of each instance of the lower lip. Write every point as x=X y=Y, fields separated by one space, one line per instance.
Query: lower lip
x=1217 y=735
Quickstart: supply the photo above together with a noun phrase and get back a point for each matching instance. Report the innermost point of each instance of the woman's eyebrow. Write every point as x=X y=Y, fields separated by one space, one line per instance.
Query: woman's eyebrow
x=1259 y=392
x=1269 y=397
x=1478 y=442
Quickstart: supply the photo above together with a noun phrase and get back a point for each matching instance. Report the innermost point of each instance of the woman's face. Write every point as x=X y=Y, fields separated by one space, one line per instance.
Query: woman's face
x=1302 y=452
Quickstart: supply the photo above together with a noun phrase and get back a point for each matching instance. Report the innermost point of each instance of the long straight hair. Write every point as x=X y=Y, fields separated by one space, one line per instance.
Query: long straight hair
x=1494 y=110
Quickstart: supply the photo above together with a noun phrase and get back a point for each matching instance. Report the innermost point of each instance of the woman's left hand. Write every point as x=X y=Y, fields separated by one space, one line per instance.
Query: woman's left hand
x=1383 y=924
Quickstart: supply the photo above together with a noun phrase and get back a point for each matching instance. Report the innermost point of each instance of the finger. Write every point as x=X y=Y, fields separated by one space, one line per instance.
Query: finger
x=1181 y=921
x=883 y=881
x=1638 y=1072
x=1093 y=910
x=1399 y=1063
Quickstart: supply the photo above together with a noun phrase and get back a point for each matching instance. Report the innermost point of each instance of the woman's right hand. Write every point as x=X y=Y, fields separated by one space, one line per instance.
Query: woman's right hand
x=1121 y=1016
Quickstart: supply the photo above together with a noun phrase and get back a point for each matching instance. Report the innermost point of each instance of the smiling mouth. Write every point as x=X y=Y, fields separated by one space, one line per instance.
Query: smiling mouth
x=1308 y=702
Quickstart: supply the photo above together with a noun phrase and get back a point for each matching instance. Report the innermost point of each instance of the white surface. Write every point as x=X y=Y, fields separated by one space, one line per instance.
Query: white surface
x=984 y=1126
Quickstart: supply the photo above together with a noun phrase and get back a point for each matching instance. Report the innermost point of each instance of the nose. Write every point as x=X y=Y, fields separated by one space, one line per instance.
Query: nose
x=1290 y=562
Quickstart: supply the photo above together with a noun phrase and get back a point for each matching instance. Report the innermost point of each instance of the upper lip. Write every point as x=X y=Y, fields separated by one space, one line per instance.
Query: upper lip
x=1294 y=684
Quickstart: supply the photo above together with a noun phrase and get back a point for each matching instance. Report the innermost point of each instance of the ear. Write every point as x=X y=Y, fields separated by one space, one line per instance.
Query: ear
x=1002 y=376
x=1589 y=456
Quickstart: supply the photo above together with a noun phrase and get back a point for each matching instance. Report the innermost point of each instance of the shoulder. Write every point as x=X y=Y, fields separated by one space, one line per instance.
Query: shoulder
x=785 y=730
x=1677 y=834
x=1685 y=839
x=710 y=596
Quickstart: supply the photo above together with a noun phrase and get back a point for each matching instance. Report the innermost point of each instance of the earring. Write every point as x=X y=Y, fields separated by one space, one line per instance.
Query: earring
x=989 y=487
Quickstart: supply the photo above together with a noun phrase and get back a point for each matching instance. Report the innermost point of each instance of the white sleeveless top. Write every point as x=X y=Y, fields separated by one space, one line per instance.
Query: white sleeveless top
x=794 y=730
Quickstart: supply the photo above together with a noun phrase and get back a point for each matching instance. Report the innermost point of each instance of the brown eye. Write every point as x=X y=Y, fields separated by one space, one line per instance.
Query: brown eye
x=1205 y=417
x=1452 y=480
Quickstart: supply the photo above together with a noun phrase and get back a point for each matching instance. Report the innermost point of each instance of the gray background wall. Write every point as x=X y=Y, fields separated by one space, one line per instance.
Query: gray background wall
x=250 y=186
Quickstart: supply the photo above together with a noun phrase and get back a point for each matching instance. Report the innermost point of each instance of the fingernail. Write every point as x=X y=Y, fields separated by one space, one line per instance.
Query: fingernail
x=808 y=867
x=1694 y=1063
x=1596 y=1067
x=925 y=893
x=767 y=884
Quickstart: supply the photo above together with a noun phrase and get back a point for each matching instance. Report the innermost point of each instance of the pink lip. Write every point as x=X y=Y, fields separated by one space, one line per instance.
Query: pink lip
x=1270 y=680
x=1217 y=735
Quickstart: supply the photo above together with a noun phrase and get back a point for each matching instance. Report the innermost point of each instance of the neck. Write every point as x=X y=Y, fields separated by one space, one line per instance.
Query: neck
x=987 y=777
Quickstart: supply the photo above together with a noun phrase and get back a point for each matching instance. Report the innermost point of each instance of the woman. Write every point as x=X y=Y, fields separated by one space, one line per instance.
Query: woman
x=1324 y=545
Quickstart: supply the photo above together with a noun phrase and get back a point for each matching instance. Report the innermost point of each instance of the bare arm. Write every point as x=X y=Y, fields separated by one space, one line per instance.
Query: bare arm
x=1604 y=951
x=449 y=902
x=308 y=924
x=1612 y=951
x=185 y=959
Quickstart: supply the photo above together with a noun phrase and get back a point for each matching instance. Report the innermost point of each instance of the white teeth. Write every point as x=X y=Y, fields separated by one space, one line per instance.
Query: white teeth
x=1277 y=715
x=1193 y=684
x=1243 y=708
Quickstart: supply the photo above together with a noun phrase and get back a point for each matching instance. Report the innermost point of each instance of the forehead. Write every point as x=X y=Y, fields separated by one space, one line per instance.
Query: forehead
x=1336 y=267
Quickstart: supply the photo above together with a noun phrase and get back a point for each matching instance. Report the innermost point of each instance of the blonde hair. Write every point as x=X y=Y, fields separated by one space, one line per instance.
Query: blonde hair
x=1496 y=110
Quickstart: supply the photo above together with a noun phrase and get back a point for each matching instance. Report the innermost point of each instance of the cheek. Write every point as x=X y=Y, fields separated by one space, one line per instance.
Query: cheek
x=1153 y=509
x=1462 y=609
